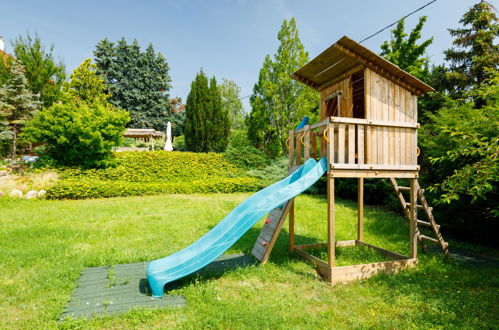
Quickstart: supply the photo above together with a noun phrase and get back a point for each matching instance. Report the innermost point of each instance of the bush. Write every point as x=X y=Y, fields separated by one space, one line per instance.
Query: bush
x=179 y=143
x=154 y=172
x=78 y=135
x=80 y=189
x=242 y=154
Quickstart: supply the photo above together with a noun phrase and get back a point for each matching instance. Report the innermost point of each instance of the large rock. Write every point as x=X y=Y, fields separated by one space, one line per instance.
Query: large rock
x=42 y=193
x=31 y=194
x=16 y=193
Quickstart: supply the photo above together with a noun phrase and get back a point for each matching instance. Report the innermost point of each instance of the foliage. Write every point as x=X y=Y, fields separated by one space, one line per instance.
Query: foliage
x=274 y=170
x=31 y=181
x=154 y=172
x=278 y=102
x=83 y=189
x=231 y=103
x=176 y=116
x=475 y=48
x=44 y=75
x=462 y=145
x=86 y=86
x=17 y=105
x=179 y=143
x=404 y=51
x=78 y=135
x=138 y=81
x=206 y=122
x=242 y=154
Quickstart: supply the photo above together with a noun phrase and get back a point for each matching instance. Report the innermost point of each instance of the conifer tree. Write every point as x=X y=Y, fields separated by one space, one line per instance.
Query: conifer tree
x=475 y=48
x=138 y=81
x=86 y=85
x=17 y=104
x=206 y=123
x=278 y=102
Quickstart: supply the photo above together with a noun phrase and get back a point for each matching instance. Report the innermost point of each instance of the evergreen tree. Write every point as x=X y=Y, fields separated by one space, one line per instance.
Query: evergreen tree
x=43 y=74
x=404 y=51
x=231 y=103
x=17 y=105
x=206 y=123
x=138 y=81
x=278 y=102
x=475 y=48
x=86 y=85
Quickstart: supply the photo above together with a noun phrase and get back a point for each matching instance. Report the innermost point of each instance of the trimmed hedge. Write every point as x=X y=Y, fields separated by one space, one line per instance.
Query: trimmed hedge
x=157 y=172
x=82 y=189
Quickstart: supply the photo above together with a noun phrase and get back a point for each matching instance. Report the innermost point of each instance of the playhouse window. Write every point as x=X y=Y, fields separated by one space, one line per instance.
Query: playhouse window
x=332 y=102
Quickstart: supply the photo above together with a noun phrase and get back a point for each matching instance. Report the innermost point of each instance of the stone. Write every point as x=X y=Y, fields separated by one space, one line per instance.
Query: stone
x=31 y=194
x=42 y=193
x=16 y=193
x=2 y=193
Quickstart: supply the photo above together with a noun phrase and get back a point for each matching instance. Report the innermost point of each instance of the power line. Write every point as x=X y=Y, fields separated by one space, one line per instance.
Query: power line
x=388 y=26
x=378 y=32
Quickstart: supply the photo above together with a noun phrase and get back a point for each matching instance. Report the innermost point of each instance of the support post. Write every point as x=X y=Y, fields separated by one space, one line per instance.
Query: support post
x=292 y=226
x=360 y=222
x=412 y=220
x=331 y=244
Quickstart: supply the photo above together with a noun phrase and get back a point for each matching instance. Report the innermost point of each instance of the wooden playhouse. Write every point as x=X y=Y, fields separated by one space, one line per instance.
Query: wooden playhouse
x=368 y=129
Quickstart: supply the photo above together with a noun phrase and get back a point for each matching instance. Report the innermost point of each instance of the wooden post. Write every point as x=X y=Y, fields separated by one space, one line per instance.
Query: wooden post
x=292 y=226
x=412 y=220
x=360 y=222
x=331 y=244
x=291 y=150
x=307 y=143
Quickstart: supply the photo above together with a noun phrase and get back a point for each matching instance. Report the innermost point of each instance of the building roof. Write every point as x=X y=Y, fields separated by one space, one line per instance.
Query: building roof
x=346 y=56
x=140 y=133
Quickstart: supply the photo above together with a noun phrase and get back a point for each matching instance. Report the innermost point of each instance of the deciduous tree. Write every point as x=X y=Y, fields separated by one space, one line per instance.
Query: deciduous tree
x=231 y=103
x=278 y=102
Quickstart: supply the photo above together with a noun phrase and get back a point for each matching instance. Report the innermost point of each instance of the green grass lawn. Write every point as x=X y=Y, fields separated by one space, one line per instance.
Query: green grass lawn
x=44 y=245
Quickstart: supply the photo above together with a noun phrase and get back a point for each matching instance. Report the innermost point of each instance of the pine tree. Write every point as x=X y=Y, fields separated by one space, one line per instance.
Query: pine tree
x=17 y=104
x=138 y=81
x=279 y=102
x=475 y=48
x=206 y=123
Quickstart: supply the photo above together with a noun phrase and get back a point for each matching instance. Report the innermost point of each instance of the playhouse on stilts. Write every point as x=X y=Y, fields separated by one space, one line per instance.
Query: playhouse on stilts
x=368 y=129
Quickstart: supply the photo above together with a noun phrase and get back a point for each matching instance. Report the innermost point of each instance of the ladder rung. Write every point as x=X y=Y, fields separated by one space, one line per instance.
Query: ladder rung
x=408 y=205
x=404 y=188
x=429 y=238
x=421 y=222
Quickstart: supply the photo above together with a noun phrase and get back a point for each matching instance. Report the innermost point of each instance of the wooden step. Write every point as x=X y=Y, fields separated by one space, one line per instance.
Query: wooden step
x=429 y=238
x=408 y=205
x=426 y=223
x=404 y=188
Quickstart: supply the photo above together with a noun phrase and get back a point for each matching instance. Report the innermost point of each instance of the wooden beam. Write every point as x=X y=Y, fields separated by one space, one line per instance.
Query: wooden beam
x=375 y=167
x=360 y=215
x=412 y=220
x=322 y=267
x=384 y=252
x=380 y=174
x=358 y=272
x=372 y=122
x=305 y=81
x=330 y=222
x=292 y=226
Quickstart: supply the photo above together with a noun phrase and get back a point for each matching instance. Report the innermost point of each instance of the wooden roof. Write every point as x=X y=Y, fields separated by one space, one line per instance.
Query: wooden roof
x=138 y=133
x=346 y=56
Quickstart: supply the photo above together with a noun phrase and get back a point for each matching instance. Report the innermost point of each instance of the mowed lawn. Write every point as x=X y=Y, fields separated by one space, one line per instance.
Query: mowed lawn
x=44 y=245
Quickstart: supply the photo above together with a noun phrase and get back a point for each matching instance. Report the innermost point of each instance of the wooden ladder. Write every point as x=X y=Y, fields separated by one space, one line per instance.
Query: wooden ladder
x=421 y=203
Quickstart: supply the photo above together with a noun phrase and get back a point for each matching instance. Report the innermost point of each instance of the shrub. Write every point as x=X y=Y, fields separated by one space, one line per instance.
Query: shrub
x=154 y=172
x=80 y=189
x=242 y=154
x=179 y=143
x=78 y=135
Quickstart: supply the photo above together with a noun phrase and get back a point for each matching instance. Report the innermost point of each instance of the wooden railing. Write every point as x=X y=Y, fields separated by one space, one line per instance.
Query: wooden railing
x=352 y=143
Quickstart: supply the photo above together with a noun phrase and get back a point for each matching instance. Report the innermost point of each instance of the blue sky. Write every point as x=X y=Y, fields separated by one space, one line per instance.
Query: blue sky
x=228 y=38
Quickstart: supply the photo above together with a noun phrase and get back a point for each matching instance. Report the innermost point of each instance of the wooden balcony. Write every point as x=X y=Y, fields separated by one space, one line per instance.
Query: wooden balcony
x=358 y=147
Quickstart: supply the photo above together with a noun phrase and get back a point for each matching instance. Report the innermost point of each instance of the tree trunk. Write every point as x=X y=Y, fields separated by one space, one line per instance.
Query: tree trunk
x=14 y=143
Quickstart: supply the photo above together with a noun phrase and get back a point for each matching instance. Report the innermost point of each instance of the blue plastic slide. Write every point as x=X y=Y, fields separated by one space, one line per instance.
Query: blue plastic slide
x=221 y=237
